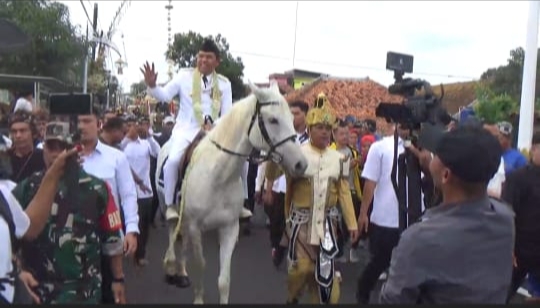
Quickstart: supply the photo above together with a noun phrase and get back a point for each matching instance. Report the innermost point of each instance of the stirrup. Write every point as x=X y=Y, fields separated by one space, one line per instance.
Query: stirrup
x=171 y=214
x=245 y=213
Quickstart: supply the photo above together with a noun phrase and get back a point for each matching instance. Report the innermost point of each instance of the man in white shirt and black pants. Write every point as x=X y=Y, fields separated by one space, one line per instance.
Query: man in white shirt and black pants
x=139 y=147
x=383 y=225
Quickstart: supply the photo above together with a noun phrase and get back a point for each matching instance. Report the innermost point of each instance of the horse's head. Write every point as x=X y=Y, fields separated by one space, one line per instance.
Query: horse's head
x=272 y=130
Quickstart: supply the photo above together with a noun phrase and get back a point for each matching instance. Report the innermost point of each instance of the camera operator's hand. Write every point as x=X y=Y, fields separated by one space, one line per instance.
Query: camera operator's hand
x=423 y=155
x=363 y=223
x=30 y=282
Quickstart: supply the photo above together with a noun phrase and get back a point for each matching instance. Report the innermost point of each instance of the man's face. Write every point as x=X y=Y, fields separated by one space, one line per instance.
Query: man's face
x=108 y=116
x=41 y=126
x=88 y=125
x=167 y=128
x=320 y=135
x=206 y=62
x=144 y=126
x=51 y=149
x=299 y=117
x=132 y=129
x=341 y=135
x=353 y=139
x=117 y=135
x=21 y=134
x=365 y=146
x=439 y=172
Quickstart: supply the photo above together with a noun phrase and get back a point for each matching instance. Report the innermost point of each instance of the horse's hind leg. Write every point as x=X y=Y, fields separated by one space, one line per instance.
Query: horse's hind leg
x=169 y=261
x=228 y=237
x=195 y=237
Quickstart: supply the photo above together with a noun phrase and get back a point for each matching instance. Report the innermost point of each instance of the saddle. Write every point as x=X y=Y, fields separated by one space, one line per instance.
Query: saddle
x=186 y=158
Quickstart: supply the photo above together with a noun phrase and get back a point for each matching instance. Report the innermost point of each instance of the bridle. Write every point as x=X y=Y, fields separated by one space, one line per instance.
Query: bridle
x=271 y=153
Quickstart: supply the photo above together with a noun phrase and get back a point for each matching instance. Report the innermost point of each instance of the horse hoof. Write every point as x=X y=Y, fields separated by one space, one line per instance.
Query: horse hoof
x=171 y=279
x=198 y=302
x=183 y=282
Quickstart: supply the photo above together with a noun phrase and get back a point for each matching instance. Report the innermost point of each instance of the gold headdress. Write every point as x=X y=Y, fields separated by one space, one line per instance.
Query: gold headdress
x=321 y=113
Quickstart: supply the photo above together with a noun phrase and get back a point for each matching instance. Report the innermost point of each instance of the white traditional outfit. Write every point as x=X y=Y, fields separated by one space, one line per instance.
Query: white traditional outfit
x=200 y=96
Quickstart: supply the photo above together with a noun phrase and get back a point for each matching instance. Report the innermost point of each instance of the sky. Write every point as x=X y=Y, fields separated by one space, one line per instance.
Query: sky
x=450 y=41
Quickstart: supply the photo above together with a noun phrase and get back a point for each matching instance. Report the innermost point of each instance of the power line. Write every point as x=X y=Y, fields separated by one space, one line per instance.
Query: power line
x=86 y=12
x=372 y=68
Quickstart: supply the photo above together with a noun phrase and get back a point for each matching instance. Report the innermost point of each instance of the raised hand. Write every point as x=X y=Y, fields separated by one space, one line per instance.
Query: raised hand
x=150 y=75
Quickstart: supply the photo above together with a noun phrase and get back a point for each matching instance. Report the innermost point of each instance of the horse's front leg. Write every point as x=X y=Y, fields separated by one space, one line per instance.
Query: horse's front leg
x=195 y=237
x=228 y=237
x=183 y=278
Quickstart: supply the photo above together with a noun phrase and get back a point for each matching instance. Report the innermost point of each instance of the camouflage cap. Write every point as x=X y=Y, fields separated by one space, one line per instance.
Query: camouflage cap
x=58 y=131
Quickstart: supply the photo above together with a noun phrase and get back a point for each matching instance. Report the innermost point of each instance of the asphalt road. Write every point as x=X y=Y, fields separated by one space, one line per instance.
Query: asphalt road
x=254 y=279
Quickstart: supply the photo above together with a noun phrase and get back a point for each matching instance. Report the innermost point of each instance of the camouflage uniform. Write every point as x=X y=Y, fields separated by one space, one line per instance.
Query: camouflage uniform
x=66 y=257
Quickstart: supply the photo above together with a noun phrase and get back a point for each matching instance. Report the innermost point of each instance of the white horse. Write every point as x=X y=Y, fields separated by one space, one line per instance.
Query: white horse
x=212 y=195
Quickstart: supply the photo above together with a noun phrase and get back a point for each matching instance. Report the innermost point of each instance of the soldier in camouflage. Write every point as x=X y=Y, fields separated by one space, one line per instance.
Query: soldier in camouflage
x=85 y=223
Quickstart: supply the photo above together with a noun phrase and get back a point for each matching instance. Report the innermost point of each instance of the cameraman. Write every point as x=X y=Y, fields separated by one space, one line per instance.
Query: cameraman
x=65 y=259
x=27 y=224
x=461 y=250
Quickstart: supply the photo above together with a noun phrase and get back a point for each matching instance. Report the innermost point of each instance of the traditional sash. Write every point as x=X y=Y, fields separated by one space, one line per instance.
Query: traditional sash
x=328 y=249
x=196 y=96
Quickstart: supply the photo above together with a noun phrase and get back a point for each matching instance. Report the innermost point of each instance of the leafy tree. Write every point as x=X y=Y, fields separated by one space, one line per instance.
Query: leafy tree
x=137 y=88
x=184 y=53
x=507 y=79
x=492 y=107
x=56 y=49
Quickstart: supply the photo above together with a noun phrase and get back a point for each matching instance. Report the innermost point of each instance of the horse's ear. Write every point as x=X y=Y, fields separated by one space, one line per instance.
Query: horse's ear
x=254 y=89
x=274 y=86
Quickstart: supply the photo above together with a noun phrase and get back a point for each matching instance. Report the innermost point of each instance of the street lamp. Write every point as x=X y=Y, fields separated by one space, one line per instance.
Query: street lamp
x=120 y=64
x=98 y=40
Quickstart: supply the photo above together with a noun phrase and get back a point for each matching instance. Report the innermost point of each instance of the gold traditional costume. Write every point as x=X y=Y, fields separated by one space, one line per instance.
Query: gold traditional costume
x=312 y=216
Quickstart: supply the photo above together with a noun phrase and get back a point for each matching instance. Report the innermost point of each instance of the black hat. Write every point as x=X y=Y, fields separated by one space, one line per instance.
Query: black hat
x=471 y=153
x=209 y=45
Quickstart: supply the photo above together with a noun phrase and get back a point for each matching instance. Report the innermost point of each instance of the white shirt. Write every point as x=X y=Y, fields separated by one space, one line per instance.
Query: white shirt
x=495 y=184
x=138 y=153
x=7 y=141
x=23 y=104
x=182 y=85
x=378 y=168
x=112 y=166
x=22 y=223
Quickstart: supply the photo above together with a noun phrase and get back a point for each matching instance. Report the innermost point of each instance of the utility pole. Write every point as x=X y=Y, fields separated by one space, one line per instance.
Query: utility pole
x=526 y=109
x=86 y=55
x=94 y=29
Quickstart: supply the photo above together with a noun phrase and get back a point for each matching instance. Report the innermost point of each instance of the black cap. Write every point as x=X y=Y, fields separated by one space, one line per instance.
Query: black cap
x=209 y=45
x=471 y=153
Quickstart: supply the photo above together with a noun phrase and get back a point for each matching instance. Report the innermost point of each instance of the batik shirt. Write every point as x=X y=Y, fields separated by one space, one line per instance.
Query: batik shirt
x=66 y=257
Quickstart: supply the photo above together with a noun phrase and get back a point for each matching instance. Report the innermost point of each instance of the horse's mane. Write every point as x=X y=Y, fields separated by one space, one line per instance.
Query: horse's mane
x=235 y=120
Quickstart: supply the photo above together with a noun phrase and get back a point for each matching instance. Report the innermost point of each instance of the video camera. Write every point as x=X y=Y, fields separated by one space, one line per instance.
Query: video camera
x=422 y=113
x=426 y=118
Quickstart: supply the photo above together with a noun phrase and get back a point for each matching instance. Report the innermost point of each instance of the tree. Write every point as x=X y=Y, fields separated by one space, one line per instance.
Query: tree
x=507 y=79
x=137 y=88
x=492 y=107
x=56 y=49
x=184 y=54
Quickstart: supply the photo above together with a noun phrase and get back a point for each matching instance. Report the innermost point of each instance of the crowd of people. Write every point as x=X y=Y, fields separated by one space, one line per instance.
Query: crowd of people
x=73 y=207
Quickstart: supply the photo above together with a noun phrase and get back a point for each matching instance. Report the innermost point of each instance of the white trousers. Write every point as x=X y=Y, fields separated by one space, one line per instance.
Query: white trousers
x=180 y=139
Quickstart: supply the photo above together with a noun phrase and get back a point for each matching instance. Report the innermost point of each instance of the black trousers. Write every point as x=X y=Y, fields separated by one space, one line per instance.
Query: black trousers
x=145 y=220
x=276 y=215
x=344 y=229
x=155 y=200
x=526 y=265
x=382 y=241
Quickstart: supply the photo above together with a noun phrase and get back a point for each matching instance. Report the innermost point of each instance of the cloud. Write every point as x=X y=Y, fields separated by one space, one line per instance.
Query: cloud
x=350 y=39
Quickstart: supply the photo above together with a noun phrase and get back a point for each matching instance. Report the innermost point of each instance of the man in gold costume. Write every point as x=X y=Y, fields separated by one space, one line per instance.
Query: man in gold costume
x=311 y=213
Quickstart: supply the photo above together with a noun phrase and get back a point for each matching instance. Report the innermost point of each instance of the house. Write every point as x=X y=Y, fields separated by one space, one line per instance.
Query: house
x=358 y=97
x=296 y=78
x=457 y=95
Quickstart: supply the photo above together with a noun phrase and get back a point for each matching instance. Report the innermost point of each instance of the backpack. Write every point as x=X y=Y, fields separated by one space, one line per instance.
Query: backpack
x=21 y=295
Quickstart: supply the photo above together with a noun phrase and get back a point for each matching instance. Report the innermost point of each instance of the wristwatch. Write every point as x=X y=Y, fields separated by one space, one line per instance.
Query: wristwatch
x=118 y=280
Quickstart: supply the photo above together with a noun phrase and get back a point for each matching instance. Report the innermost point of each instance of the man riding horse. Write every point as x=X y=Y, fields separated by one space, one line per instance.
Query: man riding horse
x=204 y=96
